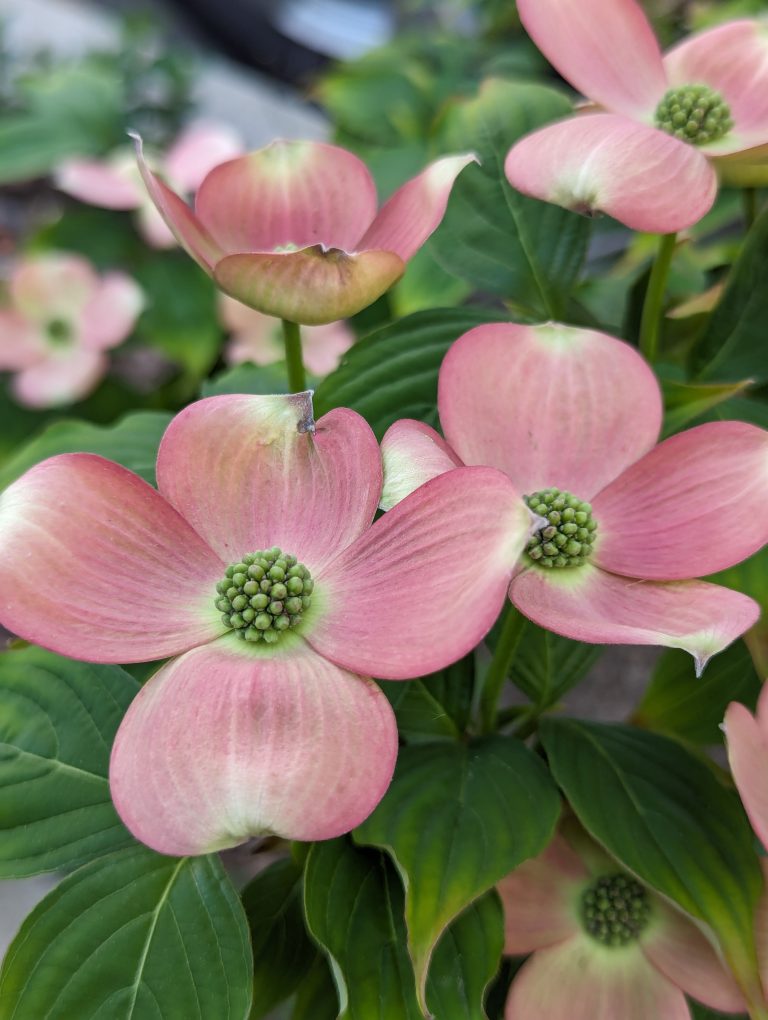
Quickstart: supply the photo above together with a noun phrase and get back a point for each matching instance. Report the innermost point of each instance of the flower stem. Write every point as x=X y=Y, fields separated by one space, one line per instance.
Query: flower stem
x=512 y=626
x=749 y=198
x=297 y=379
x=650 y=323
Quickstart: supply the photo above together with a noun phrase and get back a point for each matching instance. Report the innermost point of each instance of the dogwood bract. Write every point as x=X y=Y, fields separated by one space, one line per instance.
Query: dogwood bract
x=292 y=229
x=665 y=123
x=573 y=417
x=256 y=565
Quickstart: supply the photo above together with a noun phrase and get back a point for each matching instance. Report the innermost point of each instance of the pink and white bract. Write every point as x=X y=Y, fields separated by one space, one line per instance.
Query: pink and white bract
x=229 y=738
x=293 y=230
x=616 y=157
x=61 y=319
x=259 y=338
x=556 y=407
x=747 y=738
x=580 y=968
x=115 y=182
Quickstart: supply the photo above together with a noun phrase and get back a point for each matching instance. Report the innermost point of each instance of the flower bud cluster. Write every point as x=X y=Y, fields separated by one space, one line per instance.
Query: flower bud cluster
x=568 y=537
x=615 y=909
x=263 y=595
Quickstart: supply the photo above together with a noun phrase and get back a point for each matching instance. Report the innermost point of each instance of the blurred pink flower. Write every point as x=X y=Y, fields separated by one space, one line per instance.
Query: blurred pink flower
x=264 y=721
x=115 y=182
x=293 y=229
x=573 y=415
x=259 y=338
x=604 y=946
x=60 y=319
x=663 y=125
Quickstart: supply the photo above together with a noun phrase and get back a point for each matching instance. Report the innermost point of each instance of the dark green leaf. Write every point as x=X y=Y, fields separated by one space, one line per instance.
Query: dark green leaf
x=679 y=703
x=133 y=936
x=466 y=960
x=665 y=815
x=547 y=665
x=57 y=725
x=456 y=819
x=246 y=378
x=132 y=442
x=282 y=950
x=685 y=402
x=316 y=998
x=528 y=251
x=392 y=373
x=699 y=1012
x=436 y=707
x=733 y=345
x=353 y=901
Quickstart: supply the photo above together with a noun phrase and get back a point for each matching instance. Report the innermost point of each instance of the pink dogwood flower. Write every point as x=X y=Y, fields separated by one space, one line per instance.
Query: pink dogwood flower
x=293 y=231
x=573 y=417
x=60 y=319
x=115 y=182
x=259 y=338
x=255 y=565
x=747 y=739
x=664 y=124
x=604 y=946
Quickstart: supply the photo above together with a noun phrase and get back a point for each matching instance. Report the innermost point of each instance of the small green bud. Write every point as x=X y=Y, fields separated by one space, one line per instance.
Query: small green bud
x=295 y=585
x=260 y=601
x=239 y=602
x=250 y=588
x=263 y=621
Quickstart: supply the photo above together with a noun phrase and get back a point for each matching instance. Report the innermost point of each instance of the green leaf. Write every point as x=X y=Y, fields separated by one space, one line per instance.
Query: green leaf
x=58 y=722
x=282 y=950
x=751 y=578
x=353 y=903
x=132 y=442
x=392 y=373
x=685 y=402
x=547 y=665
x=436 y=707
x=316 y=997
x=682 y=705
x=456 y=819
x=133 y=935
x=732 y=347
x=665 y=815
x=466 y=960
x=528 y=251
x=246 y=378
x=699 y=1012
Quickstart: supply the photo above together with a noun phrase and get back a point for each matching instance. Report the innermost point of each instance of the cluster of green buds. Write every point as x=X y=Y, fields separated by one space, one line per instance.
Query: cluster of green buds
x=568 y=537
x=695 y=114
x=615 y=909
x=263 y=595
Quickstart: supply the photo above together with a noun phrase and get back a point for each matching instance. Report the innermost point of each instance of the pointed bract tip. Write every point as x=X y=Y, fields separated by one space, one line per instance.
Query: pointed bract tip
x=700 y=662
x=307 y=420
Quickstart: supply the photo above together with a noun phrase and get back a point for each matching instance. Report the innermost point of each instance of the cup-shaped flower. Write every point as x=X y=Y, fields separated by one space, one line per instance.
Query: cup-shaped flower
x=258 y=338
x=573 y=417
x=255 y=564
x=605 y=947
x=115 y=182
x=293 y=231
x=60 y=319
x=660 y=126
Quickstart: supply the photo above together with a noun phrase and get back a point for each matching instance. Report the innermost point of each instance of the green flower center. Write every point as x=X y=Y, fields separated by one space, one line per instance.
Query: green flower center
x=695 y=114
x=567 y=539
x=264 y=594
x=59 y=332
x=615 y=909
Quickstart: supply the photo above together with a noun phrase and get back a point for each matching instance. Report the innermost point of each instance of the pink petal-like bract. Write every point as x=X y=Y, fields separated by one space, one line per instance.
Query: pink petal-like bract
x=589 y=604
x=602 y=162
x=52 y=286
x=104 y=183
x=286 y=196
x=111 y=312
x=548 y=405
x=747 y=738
x=95 y=565
x=421 y=587
x=695 y=504
x=732 y=59
x=538 y=896
x=22 y=343
x=312 y=286
x=224 y=743
x=677 y=948
x=412 y=453
x=416 y=209
x=580 y=979
x=249 y=473
x=200 y=147
x=605 y=48
x=60 y=379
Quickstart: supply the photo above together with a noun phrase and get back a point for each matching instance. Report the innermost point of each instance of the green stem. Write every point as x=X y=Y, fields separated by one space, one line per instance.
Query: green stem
x=512 y=626
x=650 y=323
x=749 y=197
x=297 y=380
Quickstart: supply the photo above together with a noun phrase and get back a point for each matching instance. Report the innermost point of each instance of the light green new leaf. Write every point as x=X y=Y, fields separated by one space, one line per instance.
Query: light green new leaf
x=133 y=936
x=57 y=724
x=456 y=819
